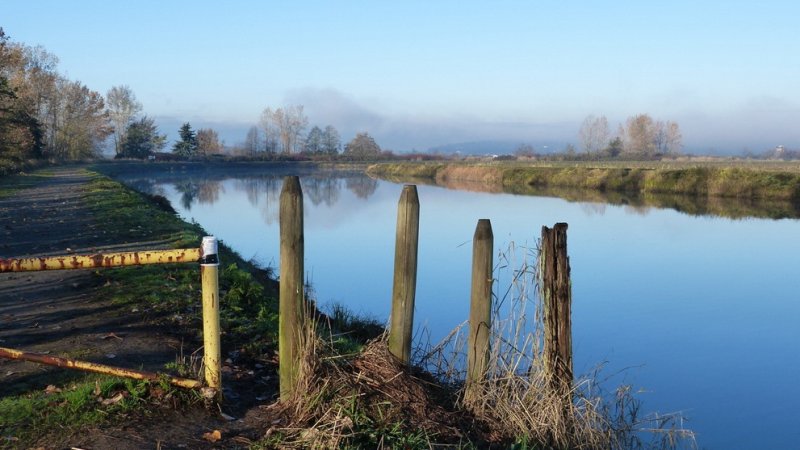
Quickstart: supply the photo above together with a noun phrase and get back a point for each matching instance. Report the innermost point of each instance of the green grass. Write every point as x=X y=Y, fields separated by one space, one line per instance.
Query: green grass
x=173 y=291
x=91 y=401
x=249 y=305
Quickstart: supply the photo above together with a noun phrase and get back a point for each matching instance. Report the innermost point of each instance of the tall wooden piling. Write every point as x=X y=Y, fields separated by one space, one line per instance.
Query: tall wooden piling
x=557 y=297
x=290 y=320
x=405 y=275
x=480 y=312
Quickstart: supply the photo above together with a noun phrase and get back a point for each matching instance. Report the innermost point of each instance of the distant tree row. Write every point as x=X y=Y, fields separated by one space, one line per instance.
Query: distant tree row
x=282 y=131
x=641 y=135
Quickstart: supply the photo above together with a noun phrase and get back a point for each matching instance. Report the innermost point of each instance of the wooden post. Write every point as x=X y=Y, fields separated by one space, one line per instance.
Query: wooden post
x=557 y=297
x=480 y=312
x=405 y=275
x=209 y=276
x=290 y=322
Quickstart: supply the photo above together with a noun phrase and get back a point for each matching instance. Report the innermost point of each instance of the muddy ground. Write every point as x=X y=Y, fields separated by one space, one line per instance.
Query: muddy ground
x=63 y=313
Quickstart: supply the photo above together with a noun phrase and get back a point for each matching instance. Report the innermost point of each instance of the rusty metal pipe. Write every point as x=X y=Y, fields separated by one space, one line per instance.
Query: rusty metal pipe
x=100 y=260
x=67 y=363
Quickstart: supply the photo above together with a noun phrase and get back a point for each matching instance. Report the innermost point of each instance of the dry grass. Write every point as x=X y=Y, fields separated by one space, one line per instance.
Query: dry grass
x=369 y=401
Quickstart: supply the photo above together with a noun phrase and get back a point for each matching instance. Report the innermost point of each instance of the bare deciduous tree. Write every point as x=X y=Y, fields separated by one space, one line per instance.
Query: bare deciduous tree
x=284 y=126
x=252 y=142
x=640 y=134
x=208 y=142
x=594 y=134
x=331 y=142
x=363 y=146
x=674 y=139
x=122 y=109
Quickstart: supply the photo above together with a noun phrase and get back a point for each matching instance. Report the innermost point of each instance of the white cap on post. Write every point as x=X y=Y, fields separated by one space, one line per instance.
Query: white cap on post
x=208 y=251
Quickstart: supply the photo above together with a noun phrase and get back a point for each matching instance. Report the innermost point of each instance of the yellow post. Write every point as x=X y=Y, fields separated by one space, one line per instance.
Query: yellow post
x=209 y=273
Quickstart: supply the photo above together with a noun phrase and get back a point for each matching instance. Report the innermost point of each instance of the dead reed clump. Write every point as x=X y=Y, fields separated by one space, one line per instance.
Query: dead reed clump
x=517 y=401
x=365 y=401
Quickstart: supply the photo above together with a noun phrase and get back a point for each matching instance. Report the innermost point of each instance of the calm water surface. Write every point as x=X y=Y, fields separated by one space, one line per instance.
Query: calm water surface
x=700 y=313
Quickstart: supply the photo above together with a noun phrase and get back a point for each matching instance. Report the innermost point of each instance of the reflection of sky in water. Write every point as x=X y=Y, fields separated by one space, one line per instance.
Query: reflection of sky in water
x=705 y=308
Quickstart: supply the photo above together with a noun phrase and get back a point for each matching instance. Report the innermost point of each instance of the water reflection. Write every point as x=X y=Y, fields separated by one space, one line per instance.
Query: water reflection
x=321 y=188
x=634 y=203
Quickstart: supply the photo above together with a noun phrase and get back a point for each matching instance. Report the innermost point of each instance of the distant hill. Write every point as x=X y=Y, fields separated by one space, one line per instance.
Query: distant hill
x=496 y=147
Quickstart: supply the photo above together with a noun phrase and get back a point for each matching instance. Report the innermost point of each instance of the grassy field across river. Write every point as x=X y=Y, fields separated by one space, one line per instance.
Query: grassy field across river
x=720 y=187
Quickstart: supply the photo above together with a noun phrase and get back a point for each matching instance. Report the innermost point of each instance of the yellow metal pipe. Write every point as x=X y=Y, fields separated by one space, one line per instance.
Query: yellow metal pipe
x=67 y=363
x=209 y=275
x=100 y=260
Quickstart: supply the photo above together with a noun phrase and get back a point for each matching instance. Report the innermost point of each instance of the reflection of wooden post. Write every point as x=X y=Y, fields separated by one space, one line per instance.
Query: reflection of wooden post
x=290 y=322
x=209 y=275
x=405 y=274
x=480 y=312
x=557 y=296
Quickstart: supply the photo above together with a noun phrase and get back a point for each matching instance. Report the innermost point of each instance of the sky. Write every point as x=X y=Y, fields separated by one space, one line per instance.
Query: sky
x=422 y=74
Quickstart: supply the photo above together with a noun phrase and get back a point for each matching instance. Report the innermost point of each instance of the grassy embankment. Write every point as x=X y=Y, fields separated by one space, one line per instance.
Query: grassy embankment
x=731 y=189
x=169 y=291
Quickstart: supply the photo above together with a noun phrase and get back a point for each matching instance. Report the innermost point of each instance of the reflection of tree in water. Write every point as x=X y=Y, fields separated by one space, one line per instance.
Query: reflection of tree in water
x=362 y=186
x=146 y=185
x=592 y=209
x=267 y=187
x=208 y=192
x=321 y=189
x=203 y=191
x=638 y=210
x=188 y=191
x=254 y=187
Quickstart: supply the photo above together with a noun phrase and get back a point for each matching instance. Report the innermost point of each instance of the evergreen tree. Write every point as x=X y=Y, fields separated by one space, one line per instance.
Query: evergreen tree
x=187 y=146
x=141 y=139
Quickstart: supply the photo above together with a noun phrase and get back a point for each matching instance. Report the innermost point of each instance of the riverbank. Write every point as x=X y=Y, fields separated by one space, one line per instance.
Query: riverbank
x=351 y=397
x=729 y=189
x=138 y=317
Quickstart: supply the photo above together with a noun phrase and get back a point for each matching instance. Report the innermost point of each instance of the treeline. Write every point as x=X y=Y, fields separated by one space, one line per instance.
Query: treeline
x=641 y=135
x=43 y=114
x=281 y=133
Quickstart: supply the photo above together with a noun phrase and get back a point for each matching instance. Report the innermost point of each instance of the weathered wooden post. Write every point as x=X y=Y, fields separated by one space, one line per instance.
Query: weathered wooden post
x=480 y=311
x=290 y=322
x=209 y=276
x=405 y=275
x=557 y=297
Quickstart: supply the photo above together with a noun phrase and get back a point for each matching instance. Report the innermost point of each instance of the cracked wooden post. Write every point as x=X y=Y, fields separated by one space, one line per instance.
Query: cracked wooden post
x=291 y=285
x=212 y=353
x=404 y=287
x=557 y=297
x=480 y=312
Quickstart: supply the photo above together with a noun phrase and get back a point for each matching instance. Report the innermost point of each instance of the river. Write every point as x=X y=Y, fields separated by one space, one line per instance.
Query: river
x=697 y=312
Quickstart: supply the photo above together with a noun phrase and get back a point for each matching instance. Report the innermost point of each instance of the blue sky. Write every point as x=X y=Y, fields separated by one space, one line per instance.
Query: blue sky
x=417 y=74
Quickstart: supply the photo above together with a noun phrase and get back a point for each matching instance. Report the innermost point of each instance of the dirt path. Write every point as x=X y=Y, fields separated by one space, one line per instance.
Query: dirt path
x=59 y=312
x=62 y=312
